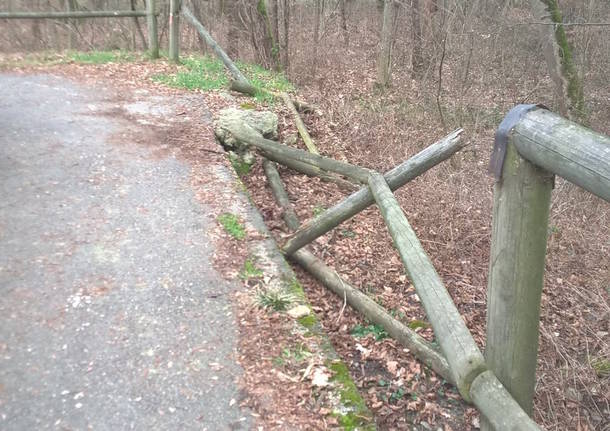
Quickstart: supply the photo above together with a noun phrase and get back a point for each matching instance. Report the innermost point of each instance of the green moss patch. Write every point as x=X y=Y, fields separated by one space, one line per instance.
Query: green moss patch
x=232 y=225
x=356 y=414
x=250 y=270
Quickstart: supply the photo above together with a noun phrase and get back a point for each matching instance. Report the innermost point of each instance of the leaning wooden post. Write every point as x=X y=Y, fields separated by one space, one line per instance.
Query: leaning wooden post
x=518 y=246
x=174 y=30
x=153 y=40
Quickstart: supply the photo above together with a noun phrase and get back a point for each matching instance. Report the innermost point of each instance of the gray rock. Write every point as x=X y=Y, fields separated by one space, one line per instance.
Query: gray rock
x=264 y=122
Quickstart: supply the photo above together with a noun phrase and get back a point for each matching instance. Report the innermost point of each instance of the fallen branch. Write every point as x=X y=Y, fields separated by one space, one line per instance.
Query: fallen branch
x=417 y=345
x=277 y=187
x=312 y=171
x=299 y=123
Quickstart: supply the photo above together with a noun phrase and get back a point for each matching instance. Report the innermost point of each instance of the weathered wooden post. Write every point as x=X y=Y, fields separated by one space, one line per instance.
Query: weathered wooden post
x=174 y=30
x=151 y=18
x=522 y=196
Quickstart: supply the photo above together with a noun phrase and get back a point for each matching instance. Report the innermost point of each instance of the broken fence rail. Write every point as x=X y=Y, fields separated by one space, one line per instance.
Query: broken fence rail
x=466 y=364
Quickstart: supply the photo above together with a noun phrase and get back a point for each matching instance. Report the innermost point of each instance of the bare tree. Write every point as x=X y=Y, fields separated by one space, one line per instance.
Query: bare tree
x=384 y=61
x=558 y=56
x=417 y=58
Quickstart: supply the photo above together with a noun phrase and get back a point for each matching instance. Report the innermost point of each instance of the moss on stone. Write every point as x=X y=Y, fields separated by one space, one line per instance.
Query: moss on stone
x=295 y=288
x=241 y=167
x=355 y=414
x=308 y=321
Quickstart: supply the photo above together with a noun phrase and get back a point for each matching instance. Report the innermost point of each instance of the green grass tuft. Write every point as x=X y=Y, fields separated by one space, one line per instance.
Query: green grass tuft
x=232 y=226
x=276 y=299
x=208 y=73
x=197 y=73
x=601 y=366
x=101 y=57
x=250 y=270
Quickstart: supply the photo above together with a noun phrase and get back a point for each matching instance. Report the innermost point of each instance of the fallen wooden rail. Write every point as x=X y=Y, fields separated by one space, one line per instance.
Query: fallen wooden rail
x=273 y=150
x=417 y=345
x=363 y=198
x=239 y=80
x=460 y=361
x=463 y=355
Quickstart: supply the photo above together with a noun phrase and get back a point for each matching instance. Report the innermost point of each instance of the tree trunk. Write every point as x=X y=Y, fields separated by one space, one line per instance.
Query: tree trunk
x=417 y=58
x=558 y=56
x=232 y=11
x=275 y=29
x=136 y=23
x=384 y=61
x=72 y=6
x=316 y=35
x=286 y=12
x=343 y=4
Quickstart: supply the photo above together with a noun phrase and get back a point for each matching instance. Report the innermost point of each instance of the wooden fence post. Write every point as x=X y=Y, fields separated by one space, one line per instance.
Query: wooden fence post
x=516 y=271
x=174 y=30
x=153 y=40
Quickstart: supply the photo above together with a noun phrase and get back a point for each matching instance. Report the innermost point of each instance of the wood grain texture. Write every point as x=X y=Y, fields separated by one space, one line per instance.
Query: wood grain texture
x=565 y=148
x=458 y=346
x=516 y=271
x=500 y=411
x=363 y=198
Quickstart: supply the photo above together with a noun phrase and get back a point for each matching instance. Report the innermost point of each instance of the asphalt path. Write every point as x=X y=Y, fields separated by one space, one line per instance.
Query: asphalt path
x=111 y=315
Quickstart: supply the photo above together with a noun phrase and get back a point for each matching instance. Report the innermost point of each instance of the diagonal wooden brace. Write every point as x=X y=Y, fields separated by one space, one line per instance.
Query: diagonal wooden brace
x=363 y=198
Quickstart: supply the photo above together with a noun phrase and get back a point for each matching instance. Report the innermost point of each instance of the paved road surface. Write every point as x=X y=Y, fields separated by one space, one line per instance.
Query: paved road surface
x=111 y=317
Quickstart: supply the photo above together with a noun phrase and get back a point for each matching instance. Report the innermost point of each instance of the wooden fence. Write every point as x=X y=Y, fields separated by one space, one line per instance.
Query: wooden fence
x=150 y=13
x=532 y=145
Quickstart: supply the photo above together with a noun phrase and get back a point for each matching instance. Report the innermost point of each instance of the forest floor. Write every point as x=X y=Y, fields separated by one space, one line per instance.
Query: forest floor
x=450 y=209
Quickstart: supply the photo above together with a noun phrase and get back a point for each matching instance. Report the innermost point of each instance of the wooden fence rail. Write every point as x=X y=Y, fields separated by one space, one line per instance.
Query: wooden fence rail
x=150 y=13
x=501 y=384
x=565 y=148
x=535 y=144
x=74 y=14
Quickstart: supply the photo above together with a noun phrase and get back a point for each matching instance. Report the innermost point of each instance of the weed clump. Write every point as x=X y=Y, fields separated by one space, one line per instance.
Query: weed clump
x=232 y=226
x=275 y=299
